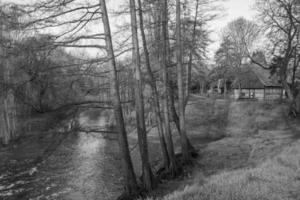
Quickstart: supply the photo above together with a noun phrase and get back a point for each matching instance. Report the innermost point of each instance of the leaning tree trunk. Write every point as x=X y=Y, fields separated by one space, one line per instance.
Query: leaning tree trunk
x=154 y=91
x=186 y=158
x=131 y=187
x=147 y=175
x=173 y=166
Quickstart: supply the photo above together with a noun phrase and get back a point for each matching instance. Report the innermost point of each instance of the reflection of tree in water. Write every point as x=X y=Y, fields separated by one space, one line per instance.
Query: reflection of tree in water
x=96 y=172
x=82 y=166
x=95 y=161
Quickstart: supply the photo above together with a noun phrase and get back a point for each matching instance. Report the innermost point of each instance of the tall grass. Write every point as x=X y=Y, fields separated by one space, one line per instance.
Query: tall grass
x=275 y=174
x=275 y=179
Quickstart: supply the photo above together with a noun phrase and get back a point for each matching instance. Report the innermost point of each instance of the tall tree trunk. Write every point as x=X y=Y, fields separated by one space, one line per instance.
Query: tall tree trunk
x=225 y=87
x=181 y=100
x=202 y=87
x=131 y=186
x=171 y=94
x=147 y=175
x=8 y=120
x=190 y=62
x=175 y=117
x=173 y=166
x=154 y=91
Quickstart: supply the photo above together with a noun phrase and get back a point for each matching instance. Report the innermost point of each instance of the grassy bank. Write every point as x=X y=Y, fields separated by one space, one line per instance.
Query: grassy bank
x=256 y=154
x=276 y=178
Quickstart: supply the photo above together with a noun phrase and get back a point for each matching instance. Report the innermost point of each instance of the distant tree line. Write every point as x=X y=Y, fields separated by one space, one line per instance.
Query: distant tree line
x=278 y=29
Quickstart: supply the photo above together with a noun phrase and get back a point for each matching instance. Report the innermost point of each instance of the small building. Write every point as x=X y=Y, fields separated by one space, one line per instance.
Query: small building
x=254 y=82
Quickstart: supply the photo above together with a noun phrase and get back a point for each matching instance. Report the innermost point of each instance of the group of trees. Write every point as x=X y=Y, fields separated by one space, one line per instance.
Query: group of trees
x=281 y=24
x=162 y=91
x=167 y=39
x=278 y=28
x=238 y=40
x=164 y=46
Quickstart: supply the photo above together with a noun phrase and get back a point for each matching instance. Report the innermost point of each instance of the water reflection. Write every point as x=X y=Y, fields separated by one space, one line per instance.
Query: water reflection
x=84 y=166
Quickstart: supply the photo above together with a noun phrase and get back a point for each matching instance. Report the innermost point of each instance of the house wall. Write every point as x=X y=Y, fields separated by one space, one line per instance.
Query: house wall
x=236 y=93
x=260 y=94
x=273 y=93
x=243 y=93
x=248 y=93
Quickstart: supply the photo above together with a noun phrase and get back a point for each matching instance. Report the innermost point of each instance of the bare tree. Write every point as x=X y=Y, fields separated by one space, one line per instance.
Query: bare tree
x=131 y=187
x=147 y=175
x=8 y=106
x=280 y=20
x=190 y=61
x=154 y=90
x=242 y=35
x=181 y=104
x=173 y=165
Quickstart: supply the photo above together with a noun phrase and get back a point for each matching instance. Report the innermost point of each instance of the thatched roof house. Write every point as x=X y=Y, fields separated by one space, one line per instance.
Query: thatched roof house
x=255 y=82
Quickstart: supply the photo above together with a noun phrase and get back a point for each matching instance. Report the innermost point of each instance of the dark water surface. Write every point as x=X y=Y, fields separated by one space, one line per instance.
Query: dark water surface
x=82 y=166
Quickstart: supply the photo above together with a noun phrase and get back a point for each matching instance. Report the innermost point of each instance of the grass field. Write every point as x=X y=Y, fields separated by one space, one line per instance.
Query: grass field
x=252 y=151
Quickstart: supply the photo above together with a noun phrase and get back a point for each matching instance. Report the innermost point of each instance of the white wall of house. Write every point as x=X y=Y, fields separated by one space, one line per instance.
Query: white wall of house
x=273 y=93
x=236 y=93
x=249 y=93
x=260 y=94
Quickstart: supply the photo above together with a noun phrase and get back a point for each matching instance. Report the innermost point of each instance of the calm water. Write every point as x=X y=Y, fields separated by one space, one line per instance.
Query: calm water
x=83 y=166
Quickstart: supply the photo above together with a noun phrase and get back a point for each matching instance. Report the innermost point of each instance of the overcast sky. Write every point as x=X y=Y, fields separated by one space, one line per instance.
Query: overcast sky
x=233 y=9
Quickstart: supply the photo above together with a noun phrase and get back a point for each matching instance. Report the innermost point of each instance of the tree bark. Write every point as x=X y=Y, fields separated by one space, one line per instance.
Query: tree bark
x=131 y=187
x=202 y=87
x=8 y=128
x=225 y=87
x=186 y=158
x=147 y=175
x=154 y=91
x=190 y=62
x=173 y=166
x=175 y=117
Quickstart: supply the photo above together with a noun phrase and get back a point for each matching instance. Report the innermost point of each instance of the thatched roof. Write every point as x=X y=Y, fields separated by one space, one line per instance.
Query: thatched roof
x=255 y=77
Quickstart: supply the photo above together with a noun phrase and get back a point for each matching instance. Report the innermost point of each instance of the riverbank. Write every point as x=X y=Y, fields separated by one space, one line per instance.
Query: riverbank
x=233 y=139
x=257 y=156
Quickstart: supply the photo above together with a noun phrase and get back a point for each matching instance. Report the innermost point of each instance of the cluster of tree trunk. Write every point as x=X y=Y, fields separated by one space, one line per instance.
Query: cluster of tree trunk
x=163 y=105
x=156 y=60
x=8 y=117
x=282 y=20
